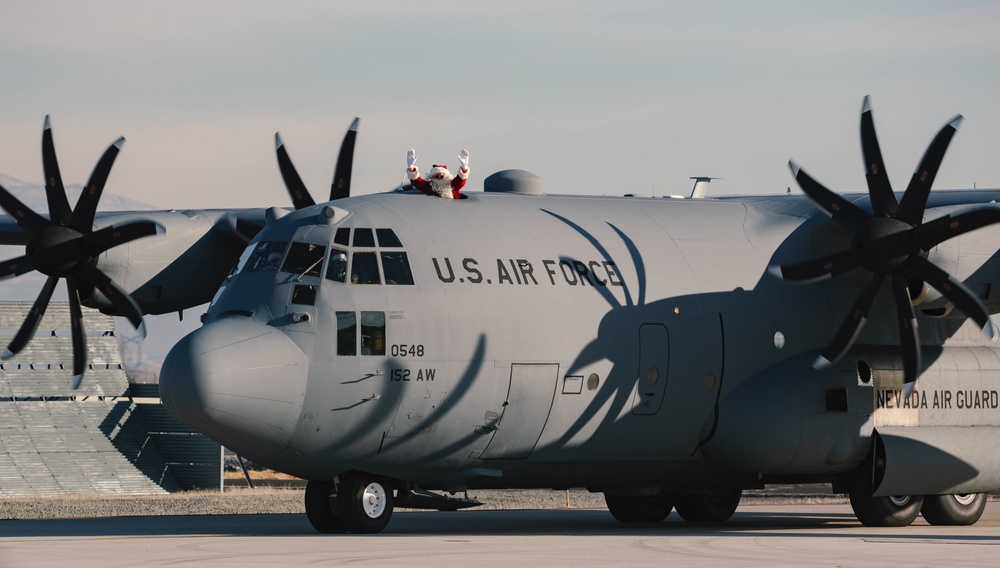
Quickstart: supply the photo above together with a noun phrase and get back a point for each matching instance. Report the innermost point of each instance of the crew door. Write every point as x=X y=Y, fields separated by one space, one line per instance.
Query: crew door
x=525 y=411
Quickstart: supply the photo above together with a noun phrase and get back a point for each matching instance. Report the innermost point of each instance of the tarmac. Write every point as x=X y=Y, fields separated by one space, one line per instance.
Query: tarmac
x=758 y=535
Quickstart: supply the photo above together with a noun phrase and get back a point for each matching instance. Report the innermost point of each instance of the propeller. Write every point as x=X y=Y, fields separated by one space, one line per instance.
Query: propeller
x=341 y=185
x=66 y=246
x=891 y=243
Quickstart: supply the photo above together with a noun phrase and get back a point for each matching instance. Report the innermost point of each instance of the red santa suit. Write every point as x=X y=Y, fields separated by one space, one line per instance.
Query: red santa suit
x=440 y=182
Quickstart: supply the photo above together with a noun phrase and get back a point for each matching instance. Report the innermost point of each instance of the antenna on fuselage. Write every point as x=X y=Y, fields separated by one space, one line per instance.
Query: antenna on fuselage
x=700 y=186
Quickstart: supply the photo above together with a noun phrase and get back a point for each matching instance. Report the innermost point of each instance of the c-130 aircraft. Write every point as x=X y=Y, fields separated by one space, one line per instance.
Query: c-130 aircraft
x=394 y=349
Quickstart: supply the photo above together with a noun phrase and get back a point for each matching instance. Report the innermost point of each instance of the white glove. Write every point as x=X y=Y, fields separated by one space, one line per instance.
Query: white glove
x=463 y=157
x=411 y=158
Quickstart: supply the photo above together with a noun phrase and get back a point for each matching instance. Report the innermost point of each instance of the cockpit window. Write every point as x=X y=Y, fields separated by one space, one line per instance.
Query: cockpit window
x=364 y=268
x=347 y=333
x=373 y=333
x=364 y=238
x=387 y=238
x=266 y=257
x=397 y=268
x=304 y=259
x=364 y=265
x=343 y=236
x=336 y=270
x=303 y=294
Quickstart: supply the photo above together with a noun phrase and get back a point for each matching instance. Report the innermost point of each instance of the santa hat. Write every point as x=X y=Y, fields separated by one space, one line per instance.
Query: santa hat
x=439 y=169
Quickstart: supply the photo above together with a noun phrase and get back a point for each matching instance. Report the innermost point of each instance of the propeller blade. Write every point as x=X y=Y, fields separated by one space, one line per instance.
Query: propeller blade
x=816 y=269
x=842 y=211
x=86 y=205
x=293 y=183
x=55 y=193
x=15 y=267
x=21 y=214
x=879 y=189
x=124 y=303
x=99 y=241
x=956 y=292
x=30 y=323
x=909 y=336
x=935 y=232
x=341 y=186
x=79 y=339
x=914 y=201
x=849 y=330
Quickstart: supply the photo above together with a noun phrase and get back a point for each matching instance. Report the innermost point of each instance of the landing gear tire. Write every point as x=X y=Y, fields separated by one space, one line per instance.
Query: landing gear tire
x=954 y=510
x=640 y=508
x=892 y=511
x=319 y=508
x=364 y=502
x=708 y=507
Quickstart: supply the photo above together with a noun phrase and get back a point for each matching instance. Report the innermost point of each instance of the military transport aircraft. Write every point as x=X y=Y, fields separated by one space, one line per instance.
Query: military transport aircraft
x=395 y=349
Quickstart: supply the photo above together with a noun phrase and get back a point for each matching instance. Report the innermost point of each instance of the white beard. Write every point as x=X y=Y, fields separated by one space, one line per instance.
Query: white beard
x=442 y=187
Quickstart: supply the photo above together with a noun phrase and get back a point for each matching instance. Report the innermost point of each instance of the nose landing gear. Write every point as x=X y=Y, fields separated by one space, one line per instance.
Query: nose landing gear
x=320 y=499
x=359 y=503
x=364 y=503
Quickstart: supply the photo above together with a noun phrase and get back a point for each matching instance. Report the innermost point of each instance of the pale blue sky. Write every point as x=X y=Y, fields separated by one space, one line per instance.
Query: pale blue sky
x=595 y=97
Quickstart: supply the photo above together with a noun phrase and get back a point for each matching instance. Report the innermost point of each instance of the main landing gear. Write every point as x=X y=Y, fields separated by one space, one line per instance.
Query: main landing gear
x=716 y=507
x=955 y=510
x=902 y=510
x=359 y=503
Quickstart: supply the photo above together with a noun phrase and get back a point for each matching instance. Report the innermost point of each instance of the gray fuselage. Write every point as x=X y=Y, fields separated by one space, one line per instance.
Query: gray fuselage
x=552 y=342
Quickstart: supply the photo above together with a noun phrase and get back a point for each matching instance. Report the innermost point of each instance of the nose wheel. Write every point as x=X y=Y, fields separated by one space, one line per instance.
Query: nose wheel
x=361 y=503
x=364 y=502
x=320 y=499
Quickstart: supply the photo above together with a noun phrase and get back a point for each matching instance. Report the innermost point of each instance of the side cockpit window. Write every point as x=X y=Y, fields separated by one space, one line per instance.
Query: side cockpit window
x=347 y=333
x=266 y=257
x=304 y=259
x=373 y=333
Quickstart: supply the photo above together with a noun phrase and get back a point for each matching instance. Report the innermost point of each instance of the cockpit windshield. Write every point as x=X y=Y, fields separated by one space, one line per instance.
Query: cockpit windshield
x=336 y=270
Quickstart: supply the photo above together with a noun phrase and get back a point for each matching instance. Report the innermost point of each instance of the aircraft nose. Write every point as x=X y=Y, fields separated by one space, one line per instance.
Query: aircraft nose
x=238 y=381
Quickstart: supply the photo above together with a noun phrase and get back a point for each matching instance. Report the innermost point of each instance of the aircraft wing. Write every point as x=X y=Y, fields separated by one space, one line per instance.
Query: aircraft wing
x=179 y=266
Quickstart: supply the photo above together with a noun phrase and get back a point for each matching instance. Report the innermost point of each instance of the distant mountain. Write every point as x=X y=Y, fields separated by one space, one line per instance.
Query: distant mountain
x=33 y=195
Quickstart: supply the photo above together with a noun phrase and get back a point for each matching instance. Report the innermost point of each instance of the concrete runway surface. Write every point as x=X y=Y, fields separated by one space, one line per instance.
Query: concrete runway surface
x=764 y=535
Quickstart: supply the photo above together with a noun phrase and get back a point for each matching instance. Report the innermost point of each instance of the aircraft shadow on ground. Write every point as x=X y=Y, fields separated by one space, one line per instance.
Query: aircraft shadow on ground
x=579 y=522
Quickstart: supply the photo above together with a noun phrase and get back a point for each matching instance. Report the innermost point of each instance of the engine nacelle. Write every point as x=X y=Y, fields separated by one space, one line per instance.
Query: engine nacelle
x=946 y=460
x=792 y=419
x=943 y=437
x=177 y=270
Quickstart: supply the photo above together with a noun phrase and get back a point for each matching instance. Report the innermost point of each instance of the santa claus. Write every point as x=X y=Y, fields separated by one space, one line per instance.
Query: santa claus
x=440 y=182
